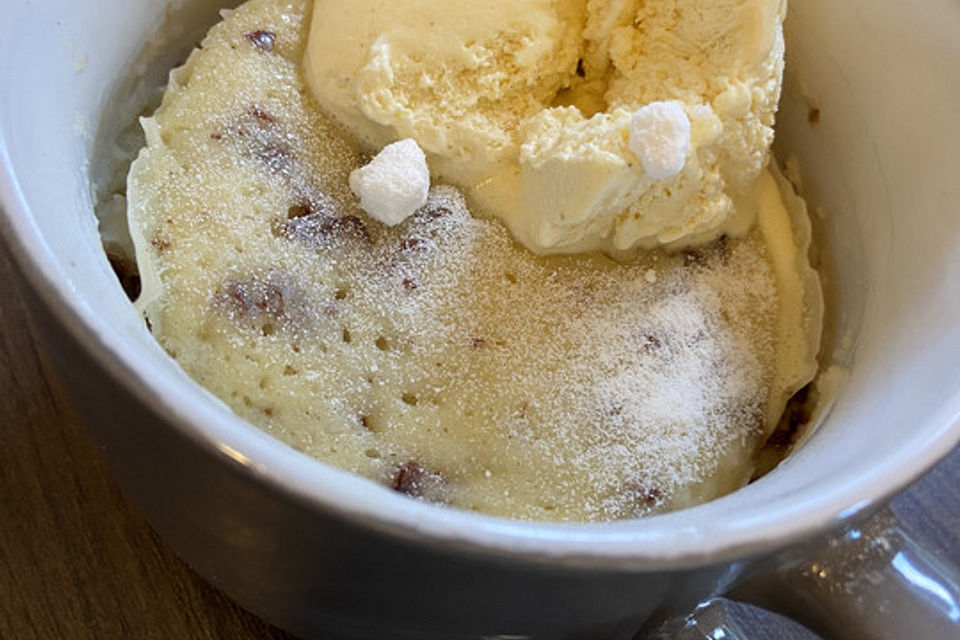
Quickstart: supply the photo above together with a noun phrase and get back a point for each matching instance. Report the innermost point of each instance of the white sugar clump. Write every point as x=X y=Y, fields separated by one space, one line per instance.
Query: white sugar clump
x=660 y=138
x=394 y=184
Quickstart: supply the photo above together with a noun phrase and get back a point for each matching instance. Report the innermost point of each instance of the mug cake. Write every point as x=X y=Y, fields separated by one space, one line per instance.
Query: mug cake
x=594 y=359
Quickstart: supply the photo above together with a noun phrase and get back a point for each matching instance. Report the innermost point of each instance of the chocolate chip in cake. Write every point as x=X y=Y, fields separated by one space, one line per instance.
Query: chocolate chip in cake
x=262 y=137
x=413 y=480
x=650 y=498
x=260 y=117
x=651 y=342
x=319 y=229
x=253 y=297
x=413 y=244
x=265 y=303
x=430 y=212
x=262 y=40
x=694 y=258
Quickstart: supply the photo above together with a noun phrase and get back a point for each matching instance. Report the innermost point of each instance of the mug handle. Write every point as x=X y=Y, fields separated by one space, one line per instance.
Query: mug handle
x=869 y=581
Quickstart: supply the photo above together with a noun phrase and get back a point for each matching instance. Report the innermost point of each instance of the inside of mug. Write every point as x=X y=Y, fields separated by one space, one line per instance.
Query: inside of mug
x=867 y=127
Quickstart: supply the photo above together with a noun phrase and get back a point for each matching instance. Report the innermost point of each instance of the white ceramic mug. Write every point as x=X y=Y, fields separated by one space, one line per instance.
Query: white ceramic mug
x=315 y=549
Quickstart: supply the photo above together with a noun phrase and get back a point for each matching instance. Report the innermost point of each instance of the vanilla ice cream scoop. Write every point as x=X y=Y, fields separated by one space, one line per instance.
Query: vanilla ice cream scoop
x=609 y=124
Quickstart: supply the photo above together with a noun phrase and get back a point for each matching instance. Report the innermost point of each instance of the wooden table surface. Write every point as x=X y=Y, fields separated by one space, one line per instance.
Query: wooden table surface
x=76 y=561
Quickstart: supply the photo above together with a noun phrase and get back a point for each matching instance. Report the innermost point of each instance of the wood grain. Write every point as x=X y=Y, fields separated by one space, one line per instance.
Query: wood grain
x=77 y=562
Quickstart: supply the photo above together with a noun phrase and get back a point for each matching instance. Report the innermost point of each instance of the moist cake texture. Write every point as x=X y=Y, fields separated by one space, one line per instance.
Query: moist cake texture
x=438 y=357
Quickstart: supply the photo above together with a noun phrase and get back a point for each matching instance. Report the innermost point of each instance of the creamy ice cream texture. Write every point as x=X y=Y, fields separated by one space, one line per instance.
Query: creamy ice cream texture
x=601 y=124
